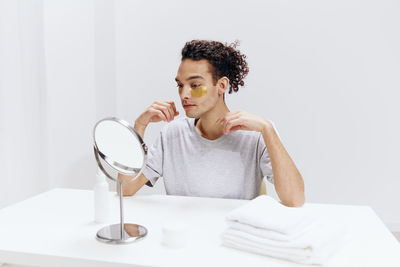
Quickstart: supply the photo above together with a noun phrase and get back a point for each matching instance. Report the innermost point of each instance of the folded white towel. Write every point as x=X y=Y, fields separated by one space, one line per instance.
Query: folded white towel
x=266 y=233
x=264 y=212
x=314 y=246
x=265 y=226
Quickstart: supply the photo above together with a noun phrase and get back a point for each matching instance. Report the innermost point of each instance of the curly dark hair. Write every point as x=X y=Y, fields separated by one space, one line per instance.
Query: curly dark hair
x=225 y=59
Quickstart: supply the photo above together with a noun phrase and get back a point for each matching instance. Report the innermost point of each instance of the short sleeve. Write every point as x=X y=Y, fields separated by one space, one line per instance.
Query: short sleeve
x=154 y=163
x=265 y=160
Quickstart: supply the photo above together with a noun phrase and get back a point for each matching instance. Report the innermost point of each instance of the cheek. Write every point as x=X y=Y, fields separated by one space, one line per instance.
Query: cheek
x=207 y=101
x=199 y=92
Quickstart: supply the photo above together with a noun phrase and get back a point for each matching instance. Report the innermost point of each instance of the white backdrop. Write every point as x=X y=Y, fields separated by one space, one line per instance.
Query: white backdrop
x=23 y=145
x=325 y=72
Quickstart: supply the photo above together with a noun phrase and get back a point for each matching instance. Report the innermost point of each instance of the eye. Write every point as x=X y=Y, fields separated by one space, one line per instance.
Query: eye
x=179 y=86
x=196 y=85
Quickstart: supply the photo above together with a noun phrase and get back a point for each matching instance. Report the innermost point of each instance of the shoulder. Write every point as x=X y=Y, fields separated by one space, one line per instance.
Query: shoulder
x=253 y=135
x=177 y=126
x=247 y=138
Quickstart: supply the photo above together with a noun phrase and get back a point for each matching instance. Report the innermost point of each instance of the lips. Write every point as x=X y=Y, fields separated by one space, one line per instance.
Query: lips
x=186 y=106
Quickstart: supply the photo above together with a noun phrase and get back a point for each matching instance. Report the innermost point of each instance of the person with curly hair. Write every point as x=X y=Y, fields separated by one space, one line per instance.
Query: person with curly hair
x=214 y=152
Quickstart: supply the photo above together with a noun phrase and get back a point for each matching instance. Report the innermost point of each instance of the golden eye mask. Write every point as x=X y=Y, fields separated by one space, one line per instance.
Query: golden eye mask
x=198 y=92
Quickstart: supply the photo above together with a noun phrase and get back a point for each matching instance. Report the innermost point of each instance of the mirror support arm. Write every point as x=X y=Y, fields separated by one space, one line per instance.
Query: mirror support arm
x=121 y=208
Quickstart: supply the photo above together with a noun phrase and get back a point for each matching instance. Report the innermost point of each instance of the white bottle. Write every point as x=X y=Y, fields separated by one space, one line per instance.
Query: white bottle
x=101 y=198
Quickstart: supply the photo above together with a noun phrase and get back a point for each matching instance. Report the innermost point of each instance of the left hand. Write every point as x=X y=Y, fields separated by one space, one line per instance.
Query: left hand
x=242 y=120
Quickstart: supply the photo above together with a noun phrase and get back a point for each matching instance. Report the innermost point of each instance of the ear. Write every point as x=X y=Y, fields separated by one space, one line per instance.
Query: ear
x=222 y=85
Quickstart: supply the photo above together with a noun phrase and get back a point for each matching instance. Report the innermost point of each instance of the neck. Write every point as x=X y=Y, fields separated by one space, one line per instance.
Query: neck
x=206 y=124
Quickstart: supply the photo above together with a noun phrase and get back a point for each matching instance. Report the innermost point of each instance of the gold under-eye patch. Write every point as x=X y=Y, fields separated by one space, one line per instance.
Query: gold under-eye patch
x=198 y=92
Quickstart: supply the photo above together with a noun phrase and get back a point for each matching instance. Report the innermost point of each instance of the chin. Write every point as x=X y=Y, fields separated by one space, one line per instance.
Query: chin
x=191 y=114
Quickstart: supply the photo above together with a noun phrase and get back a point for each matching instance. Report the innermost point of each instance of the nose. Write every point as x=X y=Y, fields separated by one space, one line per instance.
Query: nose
x=185 y=92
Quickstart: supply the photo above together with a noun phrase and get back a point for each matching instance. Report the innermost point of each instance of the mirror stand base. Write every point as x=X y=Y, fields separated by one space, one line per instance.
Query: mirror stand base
x=112 y=233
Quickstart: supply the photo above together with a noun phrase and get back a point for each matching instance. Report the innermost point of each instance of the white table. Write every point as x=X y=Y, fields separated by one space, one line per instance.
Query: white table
x=56 y=228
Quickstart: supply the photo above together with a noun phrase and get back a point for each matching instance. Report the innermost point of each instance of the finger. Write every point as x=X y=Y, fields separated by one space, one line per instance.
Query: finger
x=175 y=110
x=159 y=114
x=164 y=103
x=171 y=103
x=230 y=124
x=172 y=109
x=165 y=110
x=221 y=120
x=229 y=115
x=232 y=116
x=235 y=128
x=224 y=125
x=167 y=104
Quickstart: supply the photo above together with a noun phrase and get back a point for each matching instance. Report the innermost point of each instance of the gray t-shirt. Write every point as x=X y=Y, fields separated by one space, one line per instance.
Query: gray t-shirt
x=231 y=166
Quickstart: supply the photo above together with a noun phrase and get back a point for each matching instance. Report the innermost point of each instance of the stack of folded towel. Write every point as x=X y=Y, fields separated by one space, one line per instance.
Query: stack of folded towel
x=267 y=227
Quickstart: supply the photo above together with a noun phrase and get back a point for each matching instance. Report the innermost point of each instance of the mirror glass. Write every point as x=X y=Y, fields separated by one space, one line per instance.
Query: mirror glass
x=118 y=145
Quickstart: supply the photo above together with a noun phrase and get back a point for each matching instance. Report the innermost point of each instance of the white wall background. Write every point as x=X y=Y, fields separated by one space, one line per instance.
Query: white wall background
x=325 y=72
x=23 y=145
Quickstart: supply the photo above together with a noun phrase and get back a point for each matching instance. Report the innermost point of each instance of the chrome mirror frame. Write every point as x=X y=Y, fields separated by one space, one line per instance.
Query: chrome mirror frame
x=120 y=233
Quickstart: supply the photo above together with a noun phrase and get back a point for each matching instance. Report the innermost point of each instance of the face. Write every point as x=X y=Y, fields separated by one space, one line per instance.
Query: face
x=196 y=87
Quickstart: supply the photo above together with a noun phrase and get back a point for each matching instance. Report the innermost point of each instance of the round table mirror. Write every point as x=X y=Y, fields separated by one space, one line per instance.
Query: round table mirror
x=119 y=149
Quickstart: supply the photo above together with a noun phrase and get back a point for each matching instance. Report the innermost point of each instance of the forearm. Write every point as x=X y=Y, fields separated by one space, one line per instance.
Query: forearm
x=130 y=188
x=140 y=129
x=288 y=182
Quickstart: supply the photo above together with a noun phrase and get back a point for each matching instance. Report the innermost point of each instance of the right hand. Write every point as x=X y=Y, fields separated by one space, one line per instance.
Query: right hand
x=158 y=111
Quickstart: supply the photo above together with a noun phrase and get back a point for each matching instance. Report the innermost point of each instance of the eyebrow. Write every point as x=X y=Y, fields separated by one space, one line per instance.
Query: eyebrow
x=192 y=78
